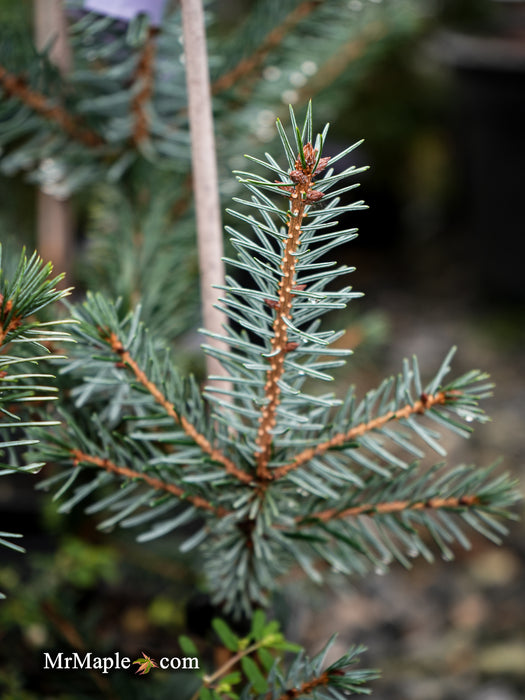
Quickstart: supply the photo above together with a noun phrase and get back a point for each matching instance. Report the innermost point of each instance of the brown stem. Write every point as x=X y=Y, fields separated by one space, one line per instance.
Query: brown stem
x=16 y=86
x=279 y=343
x=14 y=322
x=419 y=407
x=252 y=63
x=144 y=76
x=152 y=481
x=208 y=680
x=188 y=427
x=372 y=509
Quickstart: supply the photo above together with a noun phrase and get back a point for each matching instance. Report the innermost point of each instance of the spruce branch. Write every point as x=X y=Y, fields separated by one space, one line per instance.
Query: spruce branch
x=423 y=404
x=345 y=55
x=383 y=521
x=308 y=677
x=25 y=343
x=371 y=509
x=283 y=476
x=9 y=321
x=200 y=439
x=306 y=688
x=252 y=63
x=17 y=87
x=80 y=457
x=144 y=78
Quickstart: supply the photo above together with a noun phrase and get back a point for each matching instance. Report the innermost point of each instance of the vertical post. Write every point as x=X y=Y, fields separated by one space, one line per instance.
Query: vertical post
x=204 y=165
x=54 y=218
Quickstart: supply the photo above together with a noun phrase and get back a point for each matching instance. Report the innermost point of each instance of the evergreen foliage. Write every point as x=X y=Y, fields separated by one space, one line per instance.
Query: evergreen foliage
x=119 y=120
x=259 y=655
x=271 y=474
x=24 y=343
x=126 y=97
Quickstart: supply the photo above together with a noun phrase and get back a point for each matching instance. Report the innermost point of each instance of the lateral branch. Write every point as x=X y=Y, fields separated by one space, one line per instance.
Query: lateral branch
x=425 y=402
x=16 y=86
x=144 y=76
x=185 y=424
x=372 y=509
x=305 y=688
x=152 y=481
x=349 y=53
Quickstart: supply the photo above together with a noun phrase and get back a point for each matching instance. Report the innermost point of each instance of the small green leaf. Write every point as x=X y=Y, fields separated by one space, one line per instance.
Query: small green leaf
x=187 y=646
x=205 y=694
x=254 y=674
x=226 y=635
x=270 y=640
x=224 y=691
x=287 y=646
x=266 y=658
x=258 y=620
x=232 y=678
x=271 y=628
x=243 y=643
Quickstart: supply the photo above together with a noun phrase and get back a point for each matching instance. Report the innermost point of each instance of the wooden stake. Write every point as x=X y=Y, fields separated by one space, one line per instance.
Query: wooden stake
x=205 y=180
x=54 y=217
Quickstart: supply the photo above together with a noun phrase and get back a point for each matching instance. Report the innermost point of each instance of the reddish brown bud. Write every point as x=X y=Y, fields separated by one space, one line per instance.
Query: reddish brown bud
x=271 y=302
x=323 y=162
x=314 y=196
x=291 y=346
x=298 y=176
x=310 y=155
x=299 y=287
x=285 y=188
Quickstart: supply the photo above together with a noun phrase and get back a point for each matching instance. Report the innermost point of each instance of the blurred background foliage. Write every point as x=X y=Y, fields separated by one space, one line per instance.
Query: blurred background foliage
x=436 y=89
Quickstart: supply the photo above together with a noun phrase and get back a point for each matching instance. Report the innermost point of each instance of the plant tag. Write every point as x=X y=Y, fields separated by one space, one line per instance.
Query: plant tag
x=127 y=9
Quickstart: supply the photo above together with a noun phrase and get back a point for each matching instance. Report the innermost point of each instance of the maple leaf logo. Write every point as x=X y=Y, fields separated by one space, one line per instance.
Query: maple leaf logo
x=146 y=664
